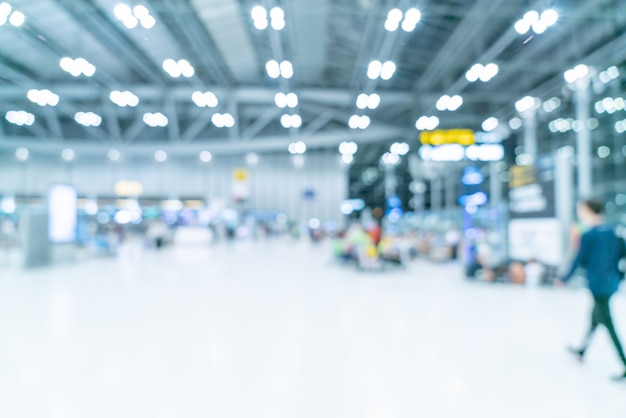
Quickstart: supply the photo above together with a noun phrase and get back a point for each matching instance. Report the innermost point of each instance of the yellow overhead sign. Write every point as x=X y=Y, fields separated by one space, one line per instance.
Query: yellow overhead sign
x=240 y=174
x=451 y=136
x=128 y=188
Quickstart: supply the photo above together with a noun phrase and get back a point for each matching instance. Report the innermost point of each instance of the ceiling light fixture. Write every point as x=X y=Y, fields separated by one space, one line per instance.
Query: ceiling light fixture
x=446 y=102
x=77 y=66
x=42 y=97
x=481 y=72
x=275 y=69
x=359 y=122
x=132 y=17
x=87 y=118
x=204 y=99
x=427 y=123
x=177 y=68
x=297 y=148
x=155 y=120
x=539 y=23
x=378 y=69
x=365 y=101
x=20 y=117
x=395 y=20
x=124 y=98
x=291 y=121
x=223 y=120
x=283 y=100
x=8 y=14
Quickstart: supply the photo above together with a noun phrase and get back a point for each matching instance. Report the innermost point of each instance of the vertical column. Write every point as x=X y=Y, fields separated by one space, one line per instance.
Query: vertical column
x=435 y=194
x=450 y=189
x=390 y=181
x=583 y=136
x=564 y=188
x=530 y=132
x=495 y=185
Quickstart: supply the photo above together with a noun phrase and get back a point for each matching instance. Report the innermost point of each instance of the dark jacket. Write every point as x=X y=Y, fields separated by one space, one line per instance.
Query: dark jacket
x=599 y=254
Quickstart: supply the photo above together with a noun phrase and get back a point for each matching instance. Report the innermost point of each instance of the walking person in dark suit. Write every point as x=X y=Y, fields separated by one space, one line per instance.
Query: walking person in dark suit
x=599 y=254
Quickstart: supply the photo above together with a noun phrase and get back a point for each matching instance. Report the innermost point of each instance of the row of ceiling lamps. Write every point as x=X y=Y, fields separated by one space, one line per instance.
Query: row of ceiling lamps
x=531 y=20
x=610 y=105
x=8 y=14
x=132 y=17
x=566 y=125
x=579 y=72
x=347 y=149
x=396 y=18
x=276 y=14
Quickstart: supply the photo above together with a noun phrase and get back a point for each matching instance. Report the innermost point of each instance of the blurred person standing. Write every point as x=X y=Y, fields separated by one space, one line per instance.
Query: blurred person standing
x=599 y=253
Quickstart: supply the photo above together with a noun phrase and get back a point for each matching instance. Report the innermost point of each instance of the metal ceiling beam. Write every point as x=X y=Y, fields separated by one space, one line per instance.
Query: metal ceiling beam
x=95 y=22
x=464 y=34
x=273 y=143
x=541 y=45
x=182 y=22
x=247 y=95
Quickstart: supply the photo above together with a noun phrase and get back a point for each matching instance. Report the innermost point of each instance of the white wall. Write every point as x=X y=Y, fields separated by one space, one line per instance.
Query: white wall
x=274 y=183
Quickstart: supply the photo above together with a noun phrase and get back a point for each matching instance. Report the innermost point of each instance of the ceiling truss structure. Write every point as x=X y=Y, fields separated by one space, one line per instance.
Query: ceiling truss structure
x=330 y=45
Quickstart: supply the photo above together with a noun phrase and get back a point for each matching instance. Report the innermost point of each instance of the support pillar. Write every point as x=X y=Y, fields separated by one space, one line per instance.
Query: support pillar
x=582 y=101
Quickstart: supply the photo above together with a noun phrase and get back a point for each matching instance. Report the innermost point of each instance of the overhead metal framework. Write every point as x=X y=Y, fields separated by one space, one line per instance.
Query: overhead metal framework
x=330 y=44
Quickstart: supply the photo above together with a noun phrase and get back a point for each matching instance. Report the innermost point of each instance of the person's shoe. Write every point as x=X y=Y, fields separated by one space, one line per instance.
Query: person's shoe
x=619 y=377
x=580 y=354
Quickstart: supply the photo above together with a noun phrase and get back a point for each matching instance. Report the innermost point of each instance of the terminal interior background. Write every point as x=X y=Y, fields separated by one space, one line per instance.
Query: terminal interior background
x=294 y=208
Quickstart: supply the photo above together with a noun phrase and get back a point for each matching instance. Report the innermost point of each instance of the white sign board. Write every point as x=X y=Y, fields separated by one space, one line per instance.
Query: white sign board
x=540 y=239
x=62 y=207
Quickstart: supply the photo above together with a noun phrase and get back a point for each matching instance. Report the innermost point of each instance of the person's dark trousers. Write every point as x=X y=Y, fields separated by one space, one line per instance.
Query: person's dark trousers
x=601 y=314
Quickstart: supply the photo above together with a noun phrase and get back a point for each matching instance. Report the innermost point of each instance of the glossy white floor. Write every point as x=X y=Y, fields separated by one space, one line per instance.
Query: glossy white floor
x=277 y=331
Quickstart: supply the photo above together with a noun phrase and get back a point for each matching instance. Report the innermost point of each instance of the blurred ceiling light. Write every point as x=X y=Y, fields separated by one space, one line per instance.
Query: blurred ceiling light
x=87 y=118
x=43 y=97
x=77 y=66
x=446 y=102
x=577 y=73
x=359 y=122
x=348 y=148
x=114 y=155
x=124 y=98
x=490 y=124
x=427 y=123
x=20 y=117
x=408 y=21
x=297 y=148
x=527 y=103
x=22 y=154
x=178 y=68
x=538 y=22
x=160 y=156
x=155 y=120
x=68 y=154
x=481 y=72
x=205 y=156
x=132 y=17
x=204 y=99
x=399 y=148
x=377 y=69
x=291 y=121
x=223 y=120
x=365 y=101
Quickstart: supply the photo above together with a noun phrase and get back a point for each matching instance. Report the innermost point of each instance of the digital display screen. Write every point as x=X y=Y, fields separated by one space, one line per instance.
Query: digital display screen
x=62 y=208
